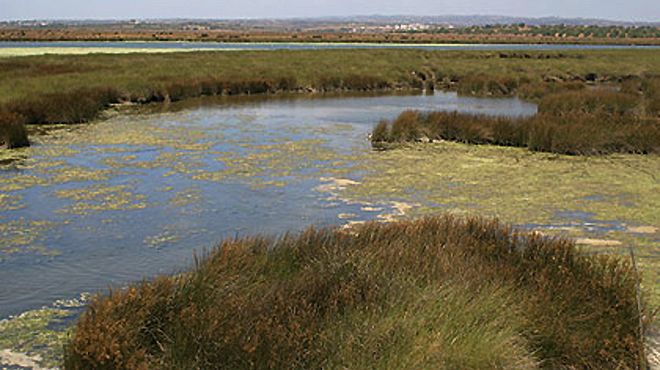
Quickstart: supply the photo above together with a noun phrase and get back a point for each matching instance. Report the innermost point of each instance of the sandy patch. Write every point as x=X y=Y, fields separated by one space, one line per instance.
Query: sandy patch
x=642 y=229
x=371 y=209
x=332 y=184
x=10 y=358
x=598 y=242
x=399 y=209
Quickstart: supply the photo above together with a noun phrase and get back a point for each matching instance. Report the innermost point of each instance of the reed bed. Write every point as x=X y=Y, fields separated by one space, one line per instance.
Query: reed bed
x=74 y=89
x=580 y=122
x=13 y=133
x=441 y=292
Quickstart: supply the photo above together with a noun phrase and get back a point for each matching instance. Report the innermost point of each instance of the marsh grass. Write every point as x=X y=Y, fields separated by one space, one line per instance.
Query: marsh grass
x=440 y=292
x=13 y=133
x=580 y=122
x=76 y=106
x=488 y=85
x=73 y=89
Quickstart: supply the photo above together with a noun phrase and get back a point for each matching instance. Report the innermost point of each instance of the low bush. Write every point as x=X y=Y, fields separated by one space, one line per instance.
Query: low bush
x=440 y=292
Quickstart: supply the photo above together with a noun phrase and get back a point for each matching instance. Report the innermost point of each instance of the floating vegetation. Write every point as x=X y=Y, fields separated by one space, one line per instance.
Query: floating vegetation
x=186 y=198
x=20 y=182
x=99 y=198
x=23 y=235
x=273 y=165
x=172 y=234
x=35 y=339
x=10 y=202
x=168 y=236
x=523 y=188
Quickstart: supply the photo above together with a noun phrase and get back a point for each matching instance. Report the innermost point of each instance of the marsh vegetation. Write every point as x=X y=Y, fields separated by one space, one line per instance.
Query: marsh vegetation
x=444 y=292
x=576 y=121
x=69 y=89
x=370 y=296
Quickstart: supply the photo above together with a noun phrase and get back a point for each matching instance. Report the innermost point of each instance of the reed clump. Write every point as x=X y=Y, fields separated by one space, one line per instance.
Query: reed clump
x=351 y=82
x=441 y=292
x=76 y=106
x=488 y=85
x=595 y=101
x=13 y=133
x=581 y=122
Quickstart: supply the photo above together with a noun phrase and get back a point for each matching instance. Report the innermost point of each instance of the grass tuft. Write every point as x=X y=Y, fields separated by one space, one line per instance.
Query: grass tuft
x=13 y=133
x=441 y=292
x=76 y=106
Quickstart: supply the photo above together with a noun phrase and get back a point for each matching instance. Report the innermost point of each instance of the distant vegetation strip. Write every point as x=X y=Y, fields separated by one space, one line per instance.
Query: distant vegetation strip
x=444 y=292
x=74 y=89
x=500 y=34
x=579 y=122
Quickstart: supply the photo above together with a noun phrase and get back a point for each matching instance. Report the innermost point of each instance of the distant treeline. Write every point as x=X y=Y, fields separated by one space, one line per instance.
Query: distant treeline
x=605 y=32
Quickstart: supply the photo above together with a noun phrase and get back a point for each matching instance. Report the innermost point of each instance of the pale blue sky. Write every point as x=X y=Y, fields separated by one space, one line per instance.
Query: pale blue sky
x=631 y=10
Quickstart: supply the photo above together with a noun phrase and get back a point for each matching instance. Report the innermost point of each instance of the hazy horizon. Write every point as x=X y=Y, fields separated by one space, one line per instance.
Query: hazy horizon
x=632 y=11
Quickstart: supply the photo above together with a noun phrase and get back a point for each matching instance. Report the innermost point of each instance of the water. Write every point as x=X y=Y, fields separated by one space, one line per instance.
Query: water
x=136 y=195
x=143 y=45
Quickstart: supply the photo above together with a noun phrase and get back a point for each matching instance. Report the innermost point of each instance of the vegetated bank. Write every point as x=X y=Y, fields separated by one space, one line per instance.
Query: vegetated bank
x=575 y=120
x=442 y=292
x=493 y=34
x=73 y=89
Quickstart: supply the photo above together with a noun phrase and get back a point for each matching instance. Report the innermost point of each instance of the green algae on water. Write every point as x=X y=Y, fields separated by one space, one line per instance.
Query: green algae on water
x=36 y=338
x=525 y=188
x=23 y=235
x=98 y=198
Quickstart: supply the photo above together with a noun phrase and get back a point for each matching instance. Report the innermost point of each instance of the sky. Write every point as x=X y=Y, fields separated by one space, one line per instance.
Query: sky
x=629 y=10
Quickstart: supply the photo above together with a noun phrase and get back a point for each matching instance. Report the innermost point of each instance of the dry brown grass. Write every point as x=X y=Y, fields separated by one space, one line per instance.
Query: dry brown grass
x=439 y=292
x=580 y=122
x=12 y=131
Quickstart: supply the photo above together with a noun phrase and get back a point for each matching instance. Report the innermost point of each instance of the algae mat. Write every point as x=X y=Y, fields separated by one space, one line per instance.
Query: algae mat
x=608 y=204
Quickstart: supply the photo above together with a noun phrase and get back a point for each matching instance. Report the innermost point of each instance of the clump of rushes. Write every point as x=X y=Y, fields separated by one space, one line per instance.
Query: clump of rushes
x=441 y=292
x=594 y=101
x=584 y=122
x=351 y=82
x=12 y=131
x=76 y=106
x=483 y=85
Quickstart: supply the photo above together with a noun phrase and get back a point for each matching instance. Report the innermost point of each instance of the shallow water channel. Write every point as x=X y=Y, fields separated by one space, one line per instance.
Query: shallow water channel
x=135 y=195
